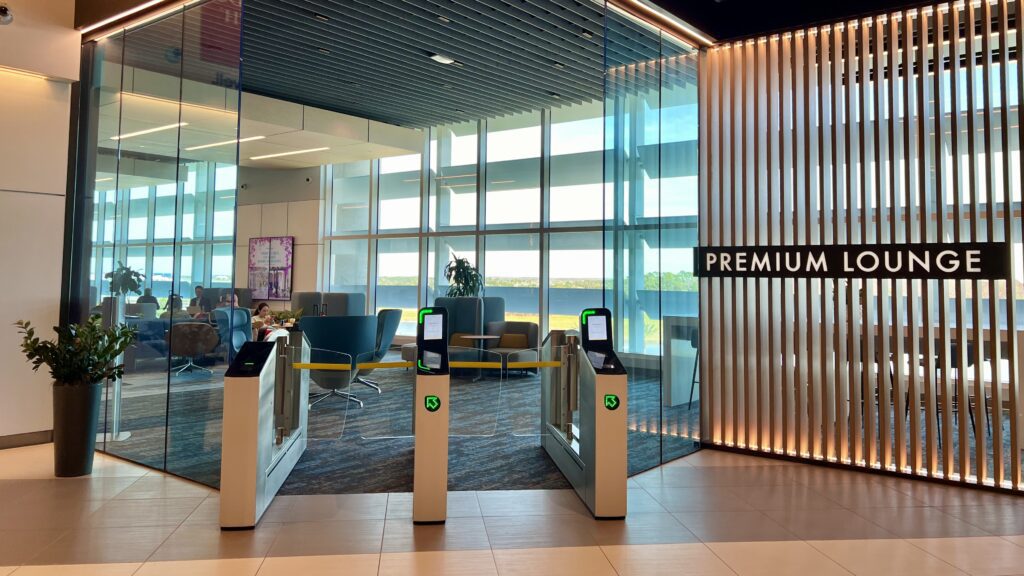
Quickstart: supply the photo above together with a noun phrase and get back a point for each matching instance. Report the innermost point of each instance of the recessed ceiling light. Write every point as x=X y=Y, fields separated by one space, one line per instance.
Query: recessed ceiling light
x=586 y=34
x=104 y=180
x=321 y=17
x=559 y=65
x=323 y=50
x=443 y=19
x=149 y=131
x=279 y=154
x=555 y=95
x=441 y=58
x=224 y=143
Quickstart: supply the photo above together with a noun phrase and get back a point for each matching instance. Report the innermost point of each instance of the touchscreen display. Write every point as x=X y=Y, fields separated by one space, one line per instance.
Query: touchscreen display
x=597 y=360
x=597 y=328
x=432 y=359
x=433 y=325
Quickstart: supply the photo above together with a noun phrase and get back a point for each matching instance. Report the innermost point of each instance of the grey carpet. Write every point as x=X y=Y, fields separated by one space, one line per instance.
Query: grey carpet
x=495 y=442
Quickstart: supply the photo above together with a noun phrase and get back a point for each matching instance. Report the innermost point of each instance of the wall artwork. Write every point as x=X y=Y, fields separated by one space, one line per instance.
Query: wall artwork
x=270 y=267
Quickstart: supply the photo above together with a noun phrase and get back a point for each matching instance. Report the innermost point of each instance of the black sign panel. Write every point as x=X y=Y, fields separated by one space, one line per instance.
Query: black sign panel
x=968 y=261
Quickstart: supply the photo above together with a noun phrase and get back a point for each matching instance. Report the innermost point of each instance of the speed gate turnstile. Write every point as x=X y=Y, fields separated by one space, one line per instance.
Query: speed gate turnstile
x=430 y=418
x=584 y=405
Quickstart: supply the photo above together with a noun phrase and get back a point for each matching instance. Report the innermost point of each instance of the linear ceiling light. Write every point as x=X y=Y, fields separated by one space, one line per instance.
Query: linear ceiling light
x=279 y=154
x=442 y=59
x=224 y=143
x=149 y=131
x=104 y=180
x=121 y=15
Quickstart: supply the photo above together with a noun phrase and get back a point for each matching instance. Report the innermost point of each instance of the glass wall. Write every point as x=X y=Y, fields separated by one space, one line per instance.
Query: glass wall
x=156 y=199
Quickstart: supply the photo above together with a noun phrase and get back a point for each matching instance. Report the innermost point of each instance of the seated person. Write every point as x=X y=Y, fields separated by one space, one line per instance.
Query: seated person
x=200 y=300
x=173 y=309
x=147 y=297
x=262 y=321
x=228 y=300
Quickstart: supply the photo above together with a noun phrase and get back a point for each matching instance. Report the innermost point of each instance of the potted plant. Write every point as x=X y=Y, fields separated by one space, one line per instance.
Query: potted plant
x=463 y=278
x=81 y=359
x=123 y=281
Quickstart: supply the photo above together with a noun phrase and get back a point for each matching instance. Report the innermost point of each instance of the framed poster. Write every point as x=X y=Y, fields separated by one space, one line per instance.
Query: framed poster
x=270 y=267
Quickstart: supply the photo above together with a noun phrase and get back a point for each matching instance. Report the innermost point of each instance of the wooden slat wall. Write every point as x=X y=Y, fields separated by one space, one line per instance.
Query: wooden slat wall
x=887 y=130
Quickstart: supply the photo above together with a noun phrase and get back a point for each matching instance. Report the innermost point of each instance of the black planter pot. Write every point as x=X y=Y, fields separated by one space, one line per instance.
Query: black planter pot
x=76 y=413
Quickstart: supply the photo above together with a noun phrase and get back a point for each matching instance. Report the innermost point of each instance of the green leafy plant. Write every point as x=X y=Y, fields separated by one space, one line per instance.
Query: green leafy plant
x=282 y=316
x=463 y=278
x=124 y=280
x=82 y=354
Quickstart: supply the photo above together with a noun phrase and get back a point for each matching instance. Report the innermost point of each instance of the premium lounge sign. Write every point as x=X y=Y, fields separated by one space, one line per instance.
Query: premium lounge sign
x=969 y=261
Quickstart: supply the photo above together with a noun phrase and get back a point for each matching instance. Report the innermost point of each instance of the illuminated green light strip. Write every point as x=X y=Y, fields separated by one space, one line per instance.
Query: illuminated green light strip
x=424 y=312
x=588 y=313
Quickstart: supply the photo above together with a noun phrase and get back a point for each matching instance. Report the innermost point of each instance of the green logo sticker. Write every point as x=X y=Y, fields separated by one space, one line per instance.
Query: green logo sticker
x=611 y=401
x=432 y=403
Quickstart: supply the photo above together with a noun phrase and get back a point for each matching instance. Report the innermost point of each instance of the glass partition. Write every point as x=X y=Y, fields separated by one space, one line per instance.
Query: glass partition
x=163 y=205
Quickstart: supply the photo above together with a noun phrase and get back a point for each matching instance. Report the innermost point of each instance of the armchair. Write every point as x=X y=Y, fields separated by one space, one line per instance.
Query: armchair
x=339 y=339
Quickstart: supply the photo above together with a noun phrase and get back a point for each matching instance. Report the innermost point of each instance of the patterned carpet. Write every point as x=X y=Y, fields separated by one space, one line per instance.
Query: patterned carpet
x=494 y=444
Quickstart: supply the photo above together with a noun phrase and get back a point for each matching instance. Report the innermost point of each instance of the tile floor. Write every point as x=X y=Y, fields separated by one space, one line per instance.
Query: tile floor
x=711 y=513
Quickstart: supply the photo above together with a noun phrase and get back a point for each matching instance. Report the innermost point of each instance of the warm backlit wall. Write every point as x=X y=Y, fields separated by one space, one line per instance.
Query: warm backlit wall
x=900 y=129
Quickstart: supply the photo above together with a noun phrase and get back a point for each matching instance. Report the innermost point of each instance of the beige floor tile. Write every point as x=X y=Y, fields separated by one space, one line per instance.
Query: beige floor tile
x=331 y=507
x=401 y=535
x=581 y=561
x=977 y=556
x=638 y=501
x=531 y=503
x=884 y=558
x=996 y=520
x=792 y=496
x=332 y=538
x=831 y=524
x=698 y=498
x=710 y=458
x=460 y=504
x=46 y=515
x=208 y=512
x=438 y=563
x=75 y=489
x=867 y=495
x=776 y=559
x=1018 y=540
x=18 y=546
x=151 y=512
x=209 y=542
x=151 y=487
x=232 y=567
x=79 y=570
x=338 y=565
x=921 y=522
x=5 y=570
x=738 y=526
x=540 y=531
x=89 y=545
x=661 y=528
x=666 y=559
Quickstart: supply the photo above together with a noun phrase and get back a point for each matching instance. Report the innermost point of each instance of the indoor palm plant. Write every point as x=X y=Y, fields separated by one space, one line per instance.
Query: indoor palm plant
x=81 y=359
x=463 y=278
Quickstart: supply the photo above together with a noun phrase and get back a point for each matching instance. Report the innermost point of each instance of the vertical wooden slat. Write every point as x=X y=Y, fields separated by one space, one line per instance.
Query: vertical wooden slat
x=761 y=225
x=774 y=285
x=909 y=138
x=854 y=237
x=785 y=185
x=840 y=139
x=925 y=212
x=991 y=196
x=963 y=406
x=724 y=218
x=707 y=294
x=945 y=384
x=799 y=229
x=897 y=154
x=812 y=327
x=977 y=335
x=869 y=361
x=826 y=106
x=750 y=239
x=1010 y=235
x=881 y=236
x=1017 y=407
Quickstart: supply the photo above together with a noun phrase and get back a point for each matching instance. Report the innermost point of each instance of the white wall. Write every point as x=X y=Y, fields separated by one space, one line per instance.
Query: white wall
x=281 y=203
x=34 y=123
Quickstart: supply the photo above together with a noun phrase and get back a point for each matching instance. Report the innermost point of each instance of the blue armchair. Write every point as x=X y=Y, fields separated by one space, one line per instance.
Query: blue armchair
x=234 y=326
x=339 y=339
